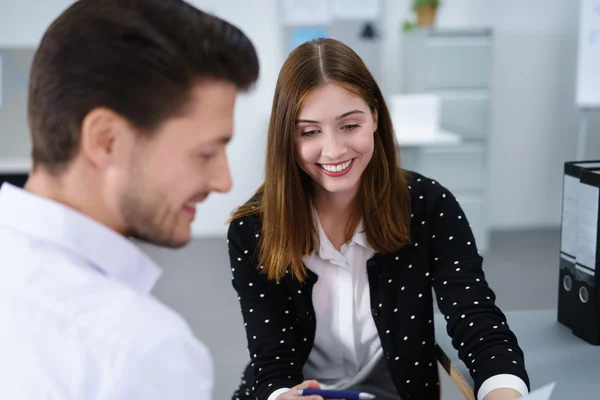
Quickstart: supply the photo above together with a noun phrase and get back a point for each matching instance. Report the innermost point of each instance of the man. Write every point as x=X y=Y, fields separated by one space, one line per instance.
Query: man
x=130 y=109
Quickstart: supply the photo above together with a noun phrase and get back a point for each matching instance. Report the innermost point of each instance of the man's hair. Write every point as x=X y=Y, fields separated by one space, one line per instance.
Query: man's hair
x=139 y=58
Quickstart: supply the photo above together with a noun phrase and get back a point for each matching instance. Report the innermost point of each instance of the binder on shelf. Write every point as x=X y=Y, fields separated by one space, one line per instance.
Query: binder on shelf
x=586 y=321
x=567 y=295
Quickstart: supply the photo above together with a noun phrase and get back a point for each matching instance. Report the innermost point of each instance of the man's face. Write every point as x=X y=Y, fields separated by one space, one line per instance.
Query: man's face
x=178 y=167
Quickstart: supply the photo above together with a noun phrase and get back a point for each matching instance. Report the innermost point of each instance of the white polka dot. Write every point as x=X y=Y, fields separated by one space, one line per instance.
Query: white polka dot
x=491 y=358
x=462 y=344
x=426 y=273
x=441 y=214
x=412 y=317
x=262 y=295
x=445 y=282
x=245 y=251
x=397 y=258
x=251 y=309
x=241 y=222
x=468 y=243
x=463 y=316
x=457 y=269
x=471 y=324
x=257 y=235
x=433 y=237
x=477 y=280
x=299 y=291
x=380 y=305
x=251 y=284
x=253 y=337
x=287 y=312
x=390 y=281
x=416 y=244
x=397 y=358
x=468 y=287
x=488 y=298
x=514 y=362
x=395 y=310
x=408 y=381
x=423 y=223
x=266 y=321
x=239 y=259
x=455 y=303
x=451 y=237
x=475 y=302
x=405 y=337
x=420 y=295
x=402 y=288
x=421 y=197
x=423 y=343
x=410 y=266
x=495 y=326
x=387 y=331
x=418 y=179
x=509 y=349
x=417 y=363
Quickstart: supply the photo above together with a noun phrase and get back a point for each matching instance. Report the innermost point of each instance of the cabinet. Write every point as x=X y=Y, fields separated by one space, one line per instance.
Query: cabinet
x=456 y=65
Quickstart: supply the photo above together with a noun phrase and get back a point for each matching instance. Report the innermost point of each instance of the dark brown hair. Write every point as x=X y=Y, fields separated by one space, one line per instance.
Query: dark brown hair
x=284 y=200
x=139 y=58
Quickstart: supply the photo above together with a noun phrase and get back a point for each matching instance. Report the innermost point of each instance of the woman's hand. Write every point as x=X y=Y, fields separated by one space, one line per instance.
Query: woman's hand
x=292 y=394
x=503 y=394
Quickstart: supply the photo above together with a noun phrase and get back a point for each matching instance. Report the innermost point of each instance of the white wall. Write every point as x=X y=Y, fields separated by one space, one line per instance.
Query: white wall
x=534 y=119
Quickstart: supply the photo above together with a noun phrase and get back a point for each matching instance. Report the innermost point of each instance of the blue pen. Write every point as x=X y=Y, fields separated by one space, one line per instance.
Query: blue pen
x=336 y=394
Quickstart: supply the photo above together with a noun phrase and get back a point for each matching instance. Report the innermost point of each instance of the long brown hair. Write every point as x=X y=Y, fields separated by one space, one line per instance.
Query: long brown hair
x=284 y=199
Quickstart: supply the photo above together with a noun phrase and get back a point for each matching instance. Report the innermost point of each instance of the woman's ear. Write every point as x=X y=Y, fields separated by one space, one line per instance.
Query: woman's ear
x=375 y=120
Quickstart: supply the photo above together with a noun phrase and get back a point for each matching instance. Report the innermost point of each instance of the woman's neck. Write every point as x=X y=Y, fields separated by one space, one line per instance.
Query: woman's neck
x=335 y=211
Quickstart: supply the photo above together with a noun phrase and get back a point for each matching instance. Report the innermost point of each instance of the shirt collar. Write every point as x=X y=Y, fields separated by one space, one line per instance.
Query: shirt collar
x=326 y=249
x=54 y=223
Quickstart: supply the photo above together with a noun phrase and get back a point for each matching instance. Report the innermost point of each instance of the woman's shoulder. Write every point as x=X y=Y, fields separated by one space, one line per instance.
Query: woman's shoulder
x=246 y=219
x=425 y=191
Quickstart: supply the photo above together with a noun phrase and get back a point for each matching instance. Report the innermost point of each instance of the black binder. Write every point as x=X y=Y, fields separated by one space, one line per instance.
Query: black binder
x=567 y=294
x=586 y=321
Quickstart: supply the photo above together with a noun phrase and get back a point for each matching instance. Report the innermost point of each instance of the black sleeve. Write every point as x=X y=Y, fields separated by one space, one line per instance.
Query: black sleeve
x=478 y=328
x=267 y=312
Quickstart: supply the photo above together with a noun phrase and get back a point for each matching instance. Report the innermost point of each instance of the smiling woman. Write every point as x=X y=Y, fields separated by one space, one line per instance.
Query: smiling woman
x=335 y=257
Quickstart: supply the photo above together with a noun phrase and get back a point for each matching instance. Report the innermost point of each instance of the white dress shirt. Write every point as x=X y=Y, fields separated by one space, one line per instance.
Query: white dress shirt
x=347 y=348
x=78 y=320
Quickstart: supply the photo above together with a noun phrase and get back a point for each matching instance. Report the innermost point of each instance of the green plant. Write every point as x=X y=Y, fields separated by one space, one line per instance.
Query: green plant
x=408 y=26
x=420 y=3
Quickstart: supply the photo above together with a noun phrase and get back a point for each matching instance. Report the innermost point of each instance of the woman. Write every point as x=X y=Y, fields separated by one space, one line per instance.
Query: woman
x=335 y=256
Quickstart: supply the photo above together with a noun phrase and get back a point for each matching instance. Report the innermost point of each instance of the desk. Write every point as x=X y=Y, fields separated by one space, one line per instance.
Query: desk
x=441 y=138
x=552 y=354
x=15 y=165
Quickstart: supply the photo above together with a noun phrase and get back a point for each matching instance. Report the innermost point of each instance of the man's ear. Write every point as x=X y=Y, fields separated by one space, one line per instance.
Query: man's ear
x=101 y=130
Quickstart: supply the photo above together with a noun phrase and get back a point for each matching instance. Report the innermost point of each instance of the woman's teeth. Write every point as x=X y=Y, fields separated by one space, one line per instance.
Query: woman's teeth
x=336 y=168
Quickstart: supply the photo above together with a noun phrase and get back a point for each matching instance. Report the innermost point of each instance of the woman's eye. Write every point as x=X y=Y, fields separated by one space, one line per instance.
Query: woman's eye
x=350 y=127
x=309 y=133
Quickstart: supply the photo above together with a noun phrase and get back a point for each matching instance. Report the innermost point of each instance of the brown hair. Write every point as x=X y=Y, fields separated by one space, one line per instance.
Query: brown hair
x=284 y=200
x=139 y=58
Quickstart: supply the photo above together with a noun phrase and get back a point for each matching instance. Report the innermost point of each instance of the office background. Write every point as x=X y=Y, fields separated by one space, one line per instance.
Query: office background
x=533 y=124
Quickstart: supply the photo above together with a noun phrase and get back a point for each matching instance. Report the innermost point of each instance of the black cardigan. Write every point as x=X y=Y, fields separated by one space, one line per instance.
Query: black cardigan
x=280 y=320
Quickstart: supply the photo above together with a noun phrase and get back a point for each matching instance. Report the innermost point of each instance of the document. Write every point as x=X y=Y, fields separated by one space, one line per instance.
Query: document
x=542 y=393
x=1 y=87
x=306 y=12
x=356 y=9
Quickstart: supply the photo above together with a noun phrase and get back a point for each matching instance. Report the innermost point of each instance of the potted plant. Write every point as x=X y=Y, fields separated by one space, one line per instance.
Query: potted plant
x=426 y=11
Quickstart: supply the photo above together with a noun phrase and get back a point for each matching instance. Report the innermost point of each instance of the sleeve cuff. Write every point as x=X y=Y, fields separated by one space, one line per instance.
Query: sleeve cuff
x=276 y=393
x=501 y=381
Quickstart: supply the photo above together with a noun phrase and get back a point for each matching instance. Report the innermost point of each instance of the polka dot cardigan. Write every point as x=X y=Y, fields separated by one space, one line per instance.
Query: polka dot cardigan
x=280 y=322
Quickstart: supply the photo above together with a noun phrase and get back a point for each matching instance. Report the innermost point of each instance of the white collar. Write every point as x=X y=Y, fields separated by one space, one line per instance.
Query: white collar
x=54 y=223
x=326 y=248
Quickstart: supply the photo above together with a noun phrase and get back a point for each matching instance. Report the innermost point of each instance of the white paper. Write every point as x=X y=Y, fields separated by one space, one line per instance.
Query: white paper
x=587 y=226
x=569 y=215
x=542 y=393
x=1 y=87
x=356 y=9
x=306 y=12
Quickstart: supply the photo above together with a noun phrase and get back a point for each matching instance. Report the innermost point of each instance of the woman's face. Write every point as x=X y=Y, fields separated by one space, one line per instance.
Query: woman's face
x=335 y=138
